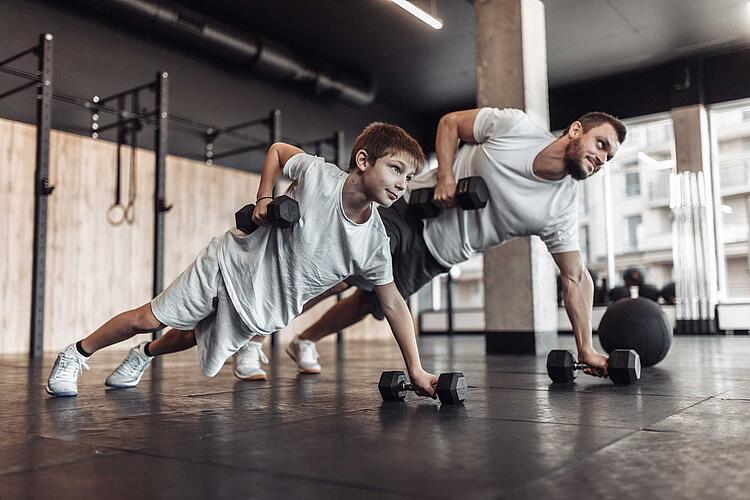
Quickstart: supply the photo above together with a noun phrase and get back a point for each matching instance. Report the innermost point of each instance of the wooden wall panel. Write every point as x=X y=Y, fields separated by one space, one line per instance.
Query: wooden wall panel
x=94 y=269
x=17 y=150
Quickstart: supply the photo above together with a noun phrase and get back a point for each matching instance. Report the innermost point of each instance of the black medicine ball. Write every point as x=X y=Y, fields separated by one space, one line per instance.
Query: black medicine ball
x=639 y=324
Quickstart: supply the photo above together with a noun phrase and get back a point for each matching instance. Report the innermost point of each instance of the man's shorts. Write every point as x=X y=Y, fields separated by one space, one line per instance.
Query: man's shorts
x=197 y=300
x=413 y=264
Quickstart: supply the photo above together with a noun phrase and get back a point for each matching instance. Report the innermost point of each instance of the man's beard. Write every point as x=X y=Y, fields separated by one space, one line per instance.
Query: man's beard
x=572 y=161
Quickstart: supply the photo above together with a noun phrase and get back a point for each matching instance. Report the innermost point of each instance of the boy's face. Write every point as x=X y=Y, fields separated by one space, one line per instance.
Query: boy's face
x=386 y=180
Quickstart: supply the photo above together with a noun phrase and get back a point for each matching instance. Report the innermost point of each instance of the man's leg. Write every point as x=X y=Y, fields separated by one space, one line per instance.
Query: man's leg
x=346 y=312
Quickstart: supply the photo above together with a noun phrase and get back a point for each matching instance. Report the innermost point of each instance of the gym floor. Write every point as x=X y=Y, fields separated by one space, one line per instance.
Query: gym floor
x=681 y=432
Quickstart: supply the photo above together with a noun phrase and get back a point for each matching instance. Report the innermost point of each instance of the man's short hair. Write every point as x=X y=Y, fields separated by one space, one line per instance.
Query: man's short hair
x=380 y=139
x=596 y=118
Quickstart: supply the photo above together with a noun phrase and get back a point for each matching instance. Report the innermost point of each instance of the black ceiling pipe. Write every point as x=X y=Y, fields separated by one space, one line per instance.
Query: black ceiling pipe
x=265 y=56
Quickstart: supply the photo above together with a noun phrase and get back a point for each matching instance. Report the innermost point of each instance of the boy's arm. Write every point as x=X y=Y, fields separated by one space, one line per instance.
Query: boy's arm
x=578 y=296
x=278 y=154
x=398 y=316
x=452 y=127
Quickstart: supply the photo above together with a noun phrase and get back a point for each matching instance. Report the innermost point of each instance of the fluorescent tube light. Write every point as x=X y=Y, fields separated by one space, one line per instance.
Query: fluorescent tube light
x=419 y=13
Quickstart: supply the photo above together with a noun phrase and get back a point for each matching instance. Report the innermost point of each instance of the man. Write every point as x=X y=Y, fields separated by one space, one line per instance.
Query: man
x=532 y=178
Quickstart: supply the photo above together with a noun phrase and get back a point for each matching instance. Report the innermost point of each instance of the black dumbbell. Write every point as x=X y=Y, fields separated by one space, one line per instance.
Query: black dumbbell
x=451 y=387
x=283 y=212
x=624 y=366
x=471 y=194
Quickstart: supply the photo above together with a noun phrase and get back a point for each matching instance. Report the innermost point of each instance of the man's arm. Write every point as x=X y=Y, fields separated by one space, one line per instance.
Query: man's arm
x=578 y=296
x=276 y=157
x=455 y=126
x=399 y=318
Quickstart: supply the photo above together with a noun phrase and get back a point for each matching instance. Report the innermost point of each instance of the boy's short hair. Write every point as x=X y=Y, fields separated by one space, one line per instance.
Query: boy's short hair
x=380 y=139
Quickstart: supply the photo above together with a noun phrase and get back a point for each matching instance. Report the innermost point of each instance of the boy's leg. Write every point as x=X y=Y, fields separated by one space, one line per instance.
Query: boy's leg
x=63 y=379
x=247 y=361
x=172 y=341
x=138 y=359
x=121 y=327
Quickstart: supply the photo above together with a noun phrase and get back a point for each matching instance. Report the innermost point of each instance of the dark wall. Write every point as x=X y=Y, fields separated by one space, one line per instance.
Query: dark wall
x=98 y=56
x=707 y=79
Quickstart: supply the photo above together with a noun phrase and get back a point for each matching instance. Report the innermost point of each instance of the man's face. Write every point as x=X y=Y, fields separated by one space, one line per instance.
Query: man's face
x=386 y=180
x=587 y=152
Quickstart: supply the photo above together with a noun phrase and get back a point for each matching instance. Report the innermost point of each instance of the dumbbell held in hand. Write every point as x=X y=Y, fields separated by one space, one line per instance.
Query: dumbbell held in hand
x=471 y=194
x=283 y=212
x=624 y=366
x=451 y=387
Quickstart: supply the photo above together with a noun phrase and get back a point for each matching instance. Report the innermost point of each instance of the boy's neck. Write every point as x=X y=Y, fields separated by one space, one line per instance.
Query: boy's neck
x=357 y=206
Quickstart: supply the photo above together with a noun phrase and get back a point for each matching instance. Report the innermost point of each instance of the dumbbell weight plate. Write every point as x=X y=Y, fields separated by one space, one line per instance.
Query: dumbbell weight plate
x=391 y=386
x=624 y=366
x=452 y=388
x=560 y=366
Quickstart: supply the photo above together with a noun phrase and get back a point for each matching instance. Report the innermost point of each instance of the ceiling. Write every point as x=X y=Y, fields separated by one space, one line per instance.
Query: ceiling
x=427 y=71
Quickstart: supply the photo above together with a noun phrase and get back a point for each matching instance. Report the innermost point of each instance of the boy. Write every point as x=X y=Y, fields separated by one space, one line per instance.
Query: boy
x=242 y=286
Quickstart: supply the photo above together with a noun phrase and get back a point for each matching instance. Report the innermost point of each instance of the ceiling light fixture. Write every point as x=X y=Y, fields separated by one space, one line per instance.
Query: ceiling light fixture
x=423 y=16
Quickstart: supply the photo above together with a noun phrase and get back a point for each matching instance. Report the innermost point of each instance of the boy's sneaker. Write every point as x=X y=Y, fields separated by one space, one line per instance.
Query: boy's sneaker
x=130 y=371
x=305 y=354
x=63 y=379
x=247 y=362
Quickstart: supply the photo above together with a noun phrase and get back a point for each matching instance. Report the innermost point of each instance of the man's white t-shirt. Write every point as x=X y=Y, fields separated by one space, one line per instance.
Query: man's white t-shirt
x=271 y=273
x=521 y=204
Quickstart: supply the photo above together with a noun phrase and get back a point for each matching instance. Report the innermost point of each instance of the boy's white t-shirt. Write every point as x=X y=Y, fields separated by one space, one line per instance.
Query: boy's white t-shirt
x=271 y=273
x=521 y=204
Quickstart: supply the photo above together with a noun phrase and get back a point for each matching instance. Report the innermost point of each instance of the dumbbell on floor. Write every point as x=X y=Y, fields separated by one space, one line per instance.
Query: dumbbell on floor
x=283 y=212
x=624 y=366
x=451 y=387
x=471 y=194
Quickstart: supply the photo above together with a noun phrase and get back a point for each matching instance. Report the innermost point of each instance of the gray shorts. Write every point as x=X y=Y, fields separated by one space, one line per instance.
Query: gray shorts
x=197 y=300
x=413 y=264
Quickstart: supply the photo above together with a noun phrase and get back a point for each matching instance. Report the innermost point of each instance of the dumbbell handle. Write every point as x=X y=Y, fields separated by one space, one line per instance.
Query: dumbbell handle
x=405 y=386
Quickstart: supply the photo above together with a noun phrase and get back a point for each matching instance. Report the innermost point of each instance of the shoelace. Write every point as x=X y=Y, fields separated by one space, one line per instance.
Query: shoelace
x=133 y=364
x=69 y=367
x=247 y=347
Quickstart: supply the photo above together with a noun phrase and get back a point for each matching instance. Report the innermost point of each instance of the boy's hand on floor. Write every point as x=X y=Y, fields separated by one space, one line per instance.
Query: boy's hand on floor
x=425 y=382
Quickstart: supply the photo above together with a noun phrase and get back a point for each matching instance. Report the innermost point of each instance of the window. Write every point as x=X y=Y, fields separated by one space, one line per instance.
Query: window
x=730 y=138
x=632 y=184
x=632 y=223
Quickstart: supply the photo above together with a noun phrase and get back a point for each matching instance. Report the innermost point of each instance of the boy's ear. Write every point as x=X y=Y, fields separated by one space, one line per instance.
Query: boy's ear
x=360 y=159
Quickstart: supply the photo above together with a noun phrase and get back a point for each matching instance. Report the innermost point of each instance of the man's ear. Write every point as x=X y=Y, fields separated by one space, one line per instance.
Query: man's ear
x=575 y=129
x=360 y=160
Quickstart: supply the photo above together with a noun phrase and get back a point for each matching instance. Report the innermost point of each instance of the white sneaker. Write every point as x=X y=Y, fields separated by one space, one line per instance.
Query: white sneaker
x=130 y=371
x=63 y=379
x=305 y=354
x=247 y=362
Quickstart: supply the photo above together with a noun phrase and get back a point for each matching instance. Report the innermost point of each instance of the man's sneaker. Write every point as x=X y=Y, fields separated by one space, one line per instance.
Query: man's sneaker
x=63 y=379
x=130 y=371
x=304 y=353
x=247 y=362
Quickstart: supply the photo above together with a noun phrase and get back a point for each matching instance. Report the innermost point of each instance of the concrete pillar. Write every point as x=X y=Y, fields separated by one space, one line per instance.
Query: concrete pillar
x=519 y=279
x=695 y=202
